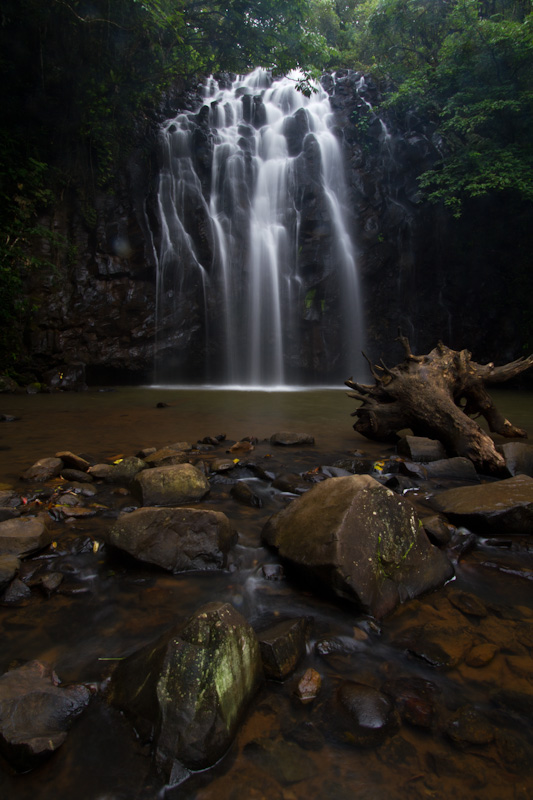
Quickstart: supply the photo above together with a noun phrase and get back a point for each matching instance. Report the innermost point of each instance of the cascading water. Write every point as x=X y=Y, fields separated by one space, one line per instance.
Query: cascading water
x=252 y=241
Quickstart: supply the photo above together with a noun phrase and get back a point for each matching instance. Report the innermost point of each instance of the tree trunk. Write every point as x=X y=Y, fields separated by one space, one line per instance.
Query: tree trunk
x=436 y=395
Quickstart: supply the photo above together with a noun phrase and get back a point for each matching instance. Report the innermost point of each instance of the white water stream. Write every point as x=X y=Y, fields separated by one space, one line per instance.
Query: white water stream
x=279 y=281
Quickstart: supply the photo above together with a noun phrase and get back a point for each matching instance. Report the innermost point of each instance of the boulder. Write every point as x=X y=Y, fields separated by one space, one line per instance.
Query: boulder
x=491 y=508
x=282 y=646
x=43 y=470
x=177 y=539
x=171 y=486
x=361 y=540
x=35 y=714
x=420 y=448
x=289 y=438
x=189 y=690
x=123 y=472
x=22 y=536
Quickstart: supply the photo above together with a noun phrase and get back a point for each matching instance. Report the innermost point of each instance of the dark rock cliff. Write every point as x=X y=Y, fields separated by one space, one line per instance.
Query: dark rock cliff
x=422 y=271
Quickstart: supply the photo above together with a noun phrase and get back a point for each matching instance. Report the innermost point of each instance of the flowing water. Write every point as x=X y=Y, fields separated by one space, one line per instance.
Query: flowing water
x=241 y=230
x=284 y=750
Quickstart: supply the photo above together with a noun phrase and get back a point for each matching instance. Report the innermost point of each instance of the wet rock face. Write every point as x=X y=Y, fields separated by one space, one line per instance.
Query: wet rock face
x=361 y=540
x=189 y=690
x=35 y=714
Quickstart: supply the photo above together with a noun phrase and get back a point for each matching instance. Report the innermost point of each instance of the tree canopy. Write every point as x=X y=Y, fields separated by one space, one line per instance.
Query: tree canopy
x=466 y=67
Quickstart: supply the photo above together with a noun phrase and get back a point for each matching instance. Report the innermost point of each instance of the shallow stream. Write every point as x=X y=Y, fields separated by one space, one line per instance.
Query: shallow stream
x=108 y=607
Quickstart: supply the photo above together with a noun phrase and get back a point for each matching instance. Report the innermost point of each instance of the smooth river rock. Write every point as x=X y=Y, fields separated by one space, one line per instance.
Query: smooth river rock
x=177 y=539
x=361 y=540
x=290 y=438
x=491 y=508
x=23 y=536
x=35 y=714
x=171 y=486
x=43 y=470
x=189 y=690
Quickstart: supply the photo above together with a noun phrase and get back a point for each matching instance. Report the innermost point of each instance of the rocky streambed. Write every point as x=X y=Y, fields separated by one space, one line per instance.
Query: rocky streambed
x=245 y=618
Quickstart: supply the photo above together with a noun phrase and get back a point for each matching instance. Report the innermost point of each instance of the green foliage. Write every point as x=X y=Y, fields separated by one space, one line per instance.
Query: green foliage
x=465 y=67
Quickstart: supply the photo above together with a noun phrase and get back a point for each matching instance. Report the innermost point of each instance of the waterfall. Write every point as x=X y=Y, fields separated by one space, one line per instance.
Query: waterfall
x=257 y=279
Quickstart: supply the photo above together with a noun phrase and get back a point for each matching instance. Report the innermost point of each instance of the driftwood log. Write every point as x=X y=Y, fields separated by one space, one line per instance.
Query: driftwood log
x=436 y=395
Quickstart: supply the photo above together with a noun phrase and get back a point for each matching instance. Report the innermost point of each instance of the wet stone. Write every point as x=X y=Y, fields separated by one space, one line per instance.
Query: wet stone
x=9 y=565
x=285 y=761
x=468 y=727
x=123 y=472
x=222 y=464
x=306 y=735
x=420 y=448
x=290 y=482
x=166 y=457
x=481 y=655
x=414 y=698
x=76 y=475
x=176 y=539
x=468 y=604
x=72 y=461
x=282 y=646
x=43 y=470
x=437 y=645
x=16 y=593
x=309 y=685
x=372 y=715
x=244 y=494
x=438 y=530
x=35 y=714
x=291 y=439
x=491 y=508
x=171 y=486
x=23 y=536
x=188 y=690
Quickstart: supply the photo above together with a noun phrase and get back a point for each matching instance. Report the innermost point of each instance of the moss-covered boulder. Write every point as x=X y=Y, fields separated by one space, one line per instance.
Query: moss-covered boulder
x=177 y=539
x=171 y=486
x=188 y=691
x=361 y=540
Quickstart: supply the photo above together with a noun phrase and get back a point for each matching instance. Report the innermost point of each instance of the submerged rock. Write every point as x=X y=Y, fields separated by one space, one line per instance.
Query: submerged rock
x=177 y=539
x=372 y=714
x=360 y=539
x=189 y=690
x=35 y=714
x=171 y=486
x=492 y=507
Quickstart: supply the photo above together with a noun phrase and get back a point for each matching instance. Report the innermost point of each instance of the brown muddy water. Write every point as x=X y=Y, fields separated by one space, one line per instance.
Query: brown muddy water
x=477 y=742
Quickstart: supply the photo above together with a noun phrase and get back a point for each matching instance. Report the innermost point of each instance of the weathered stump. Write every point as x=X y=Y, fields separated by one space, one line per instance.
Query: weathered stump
x=436 y=395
